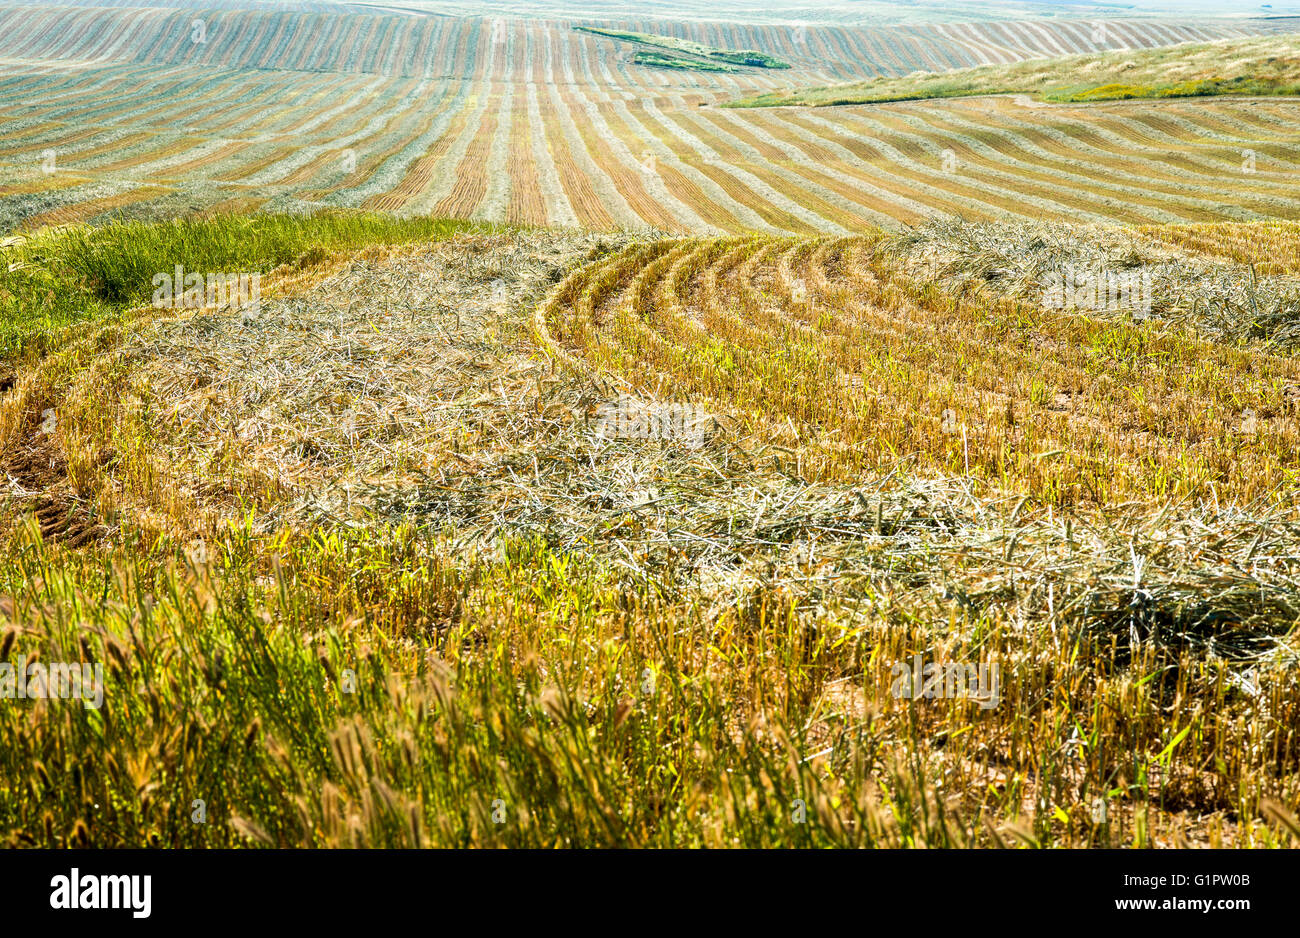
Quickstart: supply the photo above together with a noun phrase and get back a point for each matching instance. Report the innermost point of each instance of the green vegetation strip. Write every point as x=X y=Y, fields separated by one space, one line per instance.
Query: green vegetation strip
x=659 y=60
x=1117 y=91
x=746 y=57
x=59 y=276
x=1257 y=66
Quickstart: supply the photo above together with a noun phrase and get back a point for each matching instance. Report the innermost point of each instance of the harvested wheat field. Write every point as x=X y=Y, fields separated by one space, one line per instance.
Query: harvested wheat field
x=462 y=431
x=408 y=441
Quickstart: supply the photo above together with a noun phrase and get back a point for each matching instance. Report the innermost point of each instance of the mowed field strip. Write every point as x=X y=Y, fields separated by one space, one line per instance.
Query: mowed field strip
x=132 y=111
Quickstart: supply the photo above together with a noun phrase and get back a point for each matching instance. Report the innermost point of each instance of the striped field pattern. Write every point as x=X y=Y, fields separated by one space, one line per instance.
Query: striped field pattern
x=148 y=111
x=833 y=346
x=1272 y=249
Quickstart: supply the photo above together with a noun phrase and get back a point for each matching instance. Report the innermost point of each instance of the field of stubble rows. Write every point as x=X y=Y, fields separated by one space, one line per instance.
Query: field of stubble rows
x=747 y=503
x=145 y=112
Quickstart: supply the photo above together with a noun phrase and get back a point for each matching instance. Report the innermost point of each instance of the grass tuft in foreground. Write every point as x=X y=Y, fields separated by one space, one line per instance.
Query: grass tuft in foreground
x=366 y=689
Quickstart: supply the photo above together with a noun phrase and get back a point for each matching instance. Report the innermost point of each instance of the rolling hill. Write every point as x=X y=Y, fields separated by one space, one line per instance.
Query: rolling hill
x=1259 y=66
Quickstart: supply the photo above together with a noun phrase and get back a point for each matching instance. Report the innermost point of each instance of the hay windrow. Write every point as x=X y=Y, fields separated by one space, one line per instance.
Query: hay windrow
x=1225 y=300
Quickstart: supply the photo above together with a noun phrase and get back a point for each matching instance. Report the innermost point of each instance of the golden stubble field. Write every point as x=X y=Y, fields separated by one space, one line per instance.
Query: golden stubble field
x=445 y=590
x=919 y=474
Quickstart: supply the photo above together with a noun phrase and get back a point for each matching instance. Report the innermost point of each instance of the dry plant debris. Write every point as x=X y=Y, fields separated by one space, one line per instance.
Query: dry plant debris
x=406 y=386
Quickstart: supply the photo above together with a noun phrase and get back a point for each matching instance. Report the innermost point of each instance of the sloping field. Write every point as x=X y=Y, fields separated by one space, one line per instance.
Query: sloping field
x=400 y=45
x=1261 y=65
x=1272 y=248
x=899 y=50
x=638 y=638
x=126 y=111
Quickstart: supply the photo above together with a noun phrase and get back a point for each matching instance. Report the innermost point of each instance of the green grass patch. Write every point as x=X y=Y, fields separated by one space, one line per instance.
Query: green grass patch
x=891 y=90
x=272 y=696
x=59 y=276
x=660 y=60
x=1188 y=70
x=748 y=58
x=1117 y=91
